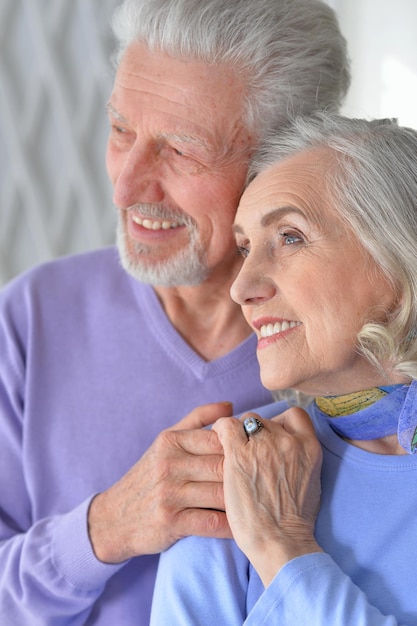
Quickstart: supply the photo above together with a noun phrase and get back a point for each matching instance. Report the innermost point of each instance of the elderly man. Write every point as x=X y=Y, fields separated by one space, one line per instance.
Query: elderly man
x=100 y=363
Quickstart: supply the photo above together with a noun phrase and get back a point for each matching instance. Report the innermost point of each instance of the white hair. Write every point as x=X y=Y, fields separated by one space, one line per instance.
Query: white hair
x=289 y=54
x=373 y=185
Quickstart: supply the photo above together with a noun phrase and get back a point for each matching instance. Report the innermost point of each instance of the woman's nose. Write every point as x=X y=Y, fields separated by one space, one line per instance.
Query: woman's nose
x=252 y=285
x=139 y=179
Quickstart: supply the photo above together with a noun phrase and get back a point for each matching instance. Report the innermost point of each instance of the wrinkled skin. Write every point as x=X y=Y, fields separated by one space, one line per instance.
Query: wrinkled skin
x=272 y=488
x=174 y=490
x=307 y=286
x=177 y=153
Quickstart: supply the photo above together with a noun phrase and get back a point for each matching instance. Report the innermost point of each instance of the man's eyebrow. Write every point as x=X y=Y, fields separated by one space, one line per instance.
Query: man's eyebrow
x=112 y=111
x=186 y=138
x=180 y=138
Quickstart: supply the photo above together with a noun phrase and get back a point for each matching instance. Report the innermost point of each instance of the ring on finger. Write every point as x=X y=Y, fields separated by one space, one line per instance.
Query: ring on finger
x=252 y=425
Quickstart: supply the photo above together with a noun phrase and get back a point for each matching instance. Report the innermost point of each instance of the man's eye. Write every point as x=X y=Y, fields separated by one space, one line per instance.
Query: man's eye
x=120 y=133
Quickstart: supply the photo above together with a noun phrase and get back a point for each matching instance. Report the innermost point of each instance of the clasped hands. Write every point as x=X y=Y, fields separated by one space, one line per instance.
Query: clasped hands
x=263 y=491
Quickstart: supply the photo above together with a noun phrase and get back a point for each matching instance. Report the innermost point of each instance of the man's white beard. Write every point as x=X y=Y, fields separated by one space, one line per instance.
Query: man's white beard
x=187 y=267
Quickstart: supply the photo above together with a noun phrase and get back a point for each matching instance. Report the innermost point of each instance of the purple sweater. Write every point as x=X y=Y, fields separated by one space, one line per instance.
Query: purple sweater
x=87 y=355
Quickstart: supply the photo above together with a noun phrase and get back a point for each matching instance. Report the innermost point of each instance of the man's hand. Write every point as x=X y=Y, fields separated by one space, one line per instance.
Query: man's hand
x=174 y=490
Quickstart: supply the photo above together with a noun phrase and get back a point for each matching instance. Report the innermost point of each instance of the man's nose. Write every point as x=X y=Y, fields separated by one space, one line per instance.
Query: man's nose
x=139 y=179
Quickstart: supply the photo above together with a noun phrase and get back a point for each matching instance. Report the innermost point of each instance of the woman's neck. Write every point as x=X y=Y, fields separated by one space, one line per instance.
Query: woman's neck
x=384 y=445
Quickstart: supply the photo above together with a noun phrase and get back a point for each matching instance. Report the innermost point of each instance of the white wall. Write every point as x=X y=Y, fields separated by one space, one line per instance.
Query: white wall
x=382 y=36
x=55 y=198
x=55 y=79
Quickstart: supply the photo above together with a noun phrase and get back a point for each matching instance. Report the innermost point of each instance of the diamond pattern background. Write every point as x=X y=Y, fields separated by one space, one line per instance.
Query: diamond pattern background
x=55 y=79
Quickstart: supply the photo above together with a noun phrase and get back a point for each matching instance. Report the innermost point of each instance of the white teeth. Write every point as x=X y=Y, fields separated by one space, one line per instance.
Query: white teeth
x=274 y=329
x=154 y=224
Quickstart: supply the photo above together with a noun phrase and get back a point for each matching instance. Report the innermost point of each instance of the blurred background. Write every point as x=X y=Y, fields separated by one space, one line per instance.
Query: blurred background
x=55 y=79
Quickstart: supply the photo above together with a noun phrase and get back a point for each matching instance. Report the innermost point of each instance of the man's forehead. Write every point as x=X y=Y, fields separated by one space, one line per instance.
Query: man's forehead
x=178 y=130
x=186 y=82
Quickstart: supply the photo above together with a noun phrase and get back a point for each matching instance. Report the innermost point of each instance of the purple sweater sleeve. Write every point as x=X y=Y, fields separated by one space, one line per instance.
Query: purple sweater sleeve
x=48 y=574
x=80 y=342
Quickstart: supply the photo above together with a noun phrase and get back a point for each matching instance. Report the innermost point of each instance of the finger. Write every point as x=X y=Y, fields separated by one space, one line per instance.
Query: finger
x=230 y=431
x=248 y=425
x=193 y=442
x=295 y=420
x=231 y=425
x=203 y=523
x=195 y=468
x=201 y=495
x=204 y=415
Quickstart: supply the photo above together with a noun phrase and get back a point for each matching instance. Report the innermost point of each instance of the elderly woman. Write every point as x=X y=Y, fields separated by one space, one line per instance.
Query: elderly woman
x=328 y=231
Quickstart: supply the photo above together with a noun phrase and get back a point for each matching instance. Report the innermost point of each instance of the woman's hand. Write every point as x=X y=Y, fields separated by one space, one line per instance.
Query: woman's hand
x=272 y=488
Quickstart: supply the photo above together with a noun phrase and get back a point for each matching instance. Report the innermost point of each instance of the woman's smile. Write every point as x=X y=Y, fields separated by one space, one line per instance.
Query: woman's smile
x=307 y=286
x=273 y=329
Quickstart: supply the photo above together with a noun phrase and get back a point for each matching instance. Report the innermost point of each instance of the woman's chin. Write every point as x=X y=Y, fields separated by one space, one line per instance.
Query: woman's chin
x=275 y=384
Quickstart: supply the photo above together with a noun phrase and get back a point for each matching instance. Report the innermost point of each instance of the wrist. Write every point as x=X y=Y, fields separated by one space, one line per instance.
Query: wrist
x=271 y=554
x=102 y=533
x=269 y=565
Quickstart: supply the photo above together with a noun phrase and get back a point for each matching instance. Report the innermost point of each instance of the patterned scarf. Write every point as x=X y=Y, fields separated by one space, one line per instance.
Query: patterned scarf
x=374 y=413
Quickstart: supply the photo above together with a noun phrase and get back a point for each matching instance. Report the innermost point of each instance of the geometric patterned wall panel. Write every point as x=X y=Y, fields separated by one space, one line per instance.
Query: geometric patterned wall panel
x=55 y=79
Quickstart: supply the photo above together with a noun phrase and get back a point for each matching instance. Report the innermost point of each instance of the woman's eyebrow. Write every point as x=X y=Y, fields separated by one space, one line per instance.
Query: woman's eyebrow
x=279 y=213
x=237 y=229
x=272 y=216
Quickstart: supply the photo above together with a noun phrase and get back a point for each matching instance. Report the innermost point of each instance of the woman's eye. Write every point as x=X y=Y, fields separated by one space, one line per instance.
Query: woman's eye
x=291 y=238
x=242 y=251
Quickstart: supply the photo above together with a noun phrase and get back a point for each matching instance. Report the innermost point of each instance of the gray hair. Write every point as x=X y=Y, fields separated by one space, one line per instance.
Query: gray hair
x=289 y=54
x=373 y=185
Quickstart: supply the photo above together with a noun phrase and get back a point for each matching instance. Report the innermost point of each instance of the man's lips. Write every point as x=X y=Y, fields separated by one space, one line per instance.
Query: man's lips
x=153 y=224
x=149 y=228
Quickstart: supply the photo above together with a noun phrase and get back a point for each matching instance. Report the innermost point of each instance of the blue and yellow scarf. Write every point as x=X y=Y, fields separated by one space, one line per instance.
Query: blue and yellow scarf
x=374 y=413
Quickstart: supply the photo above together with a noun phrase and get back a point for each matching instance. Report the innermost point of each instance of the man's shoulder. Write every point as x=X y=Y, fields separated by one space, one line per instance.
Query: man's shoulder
x=75 y=267
x=84 y=263
x=64 y=279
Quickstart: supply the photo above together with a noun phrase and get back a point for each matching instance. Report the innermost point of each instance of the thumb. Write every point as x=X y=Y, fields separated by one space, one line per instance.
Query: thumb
x=204 y=415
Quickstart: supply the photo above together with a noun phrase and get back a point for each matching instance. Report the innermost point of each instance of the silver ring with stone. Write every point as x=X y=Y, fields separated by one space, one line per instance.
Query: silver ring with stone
x=251 y=425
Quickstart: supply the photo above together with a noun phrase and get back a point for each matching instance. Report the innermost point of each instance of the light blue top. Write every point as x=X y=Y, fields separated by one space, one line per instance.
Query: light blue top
x=367 y=576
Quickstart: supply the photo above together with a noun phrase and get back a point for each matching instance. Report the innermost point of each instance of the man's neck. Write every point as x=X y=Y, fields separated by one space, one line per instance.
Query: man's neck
x=206 y=317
